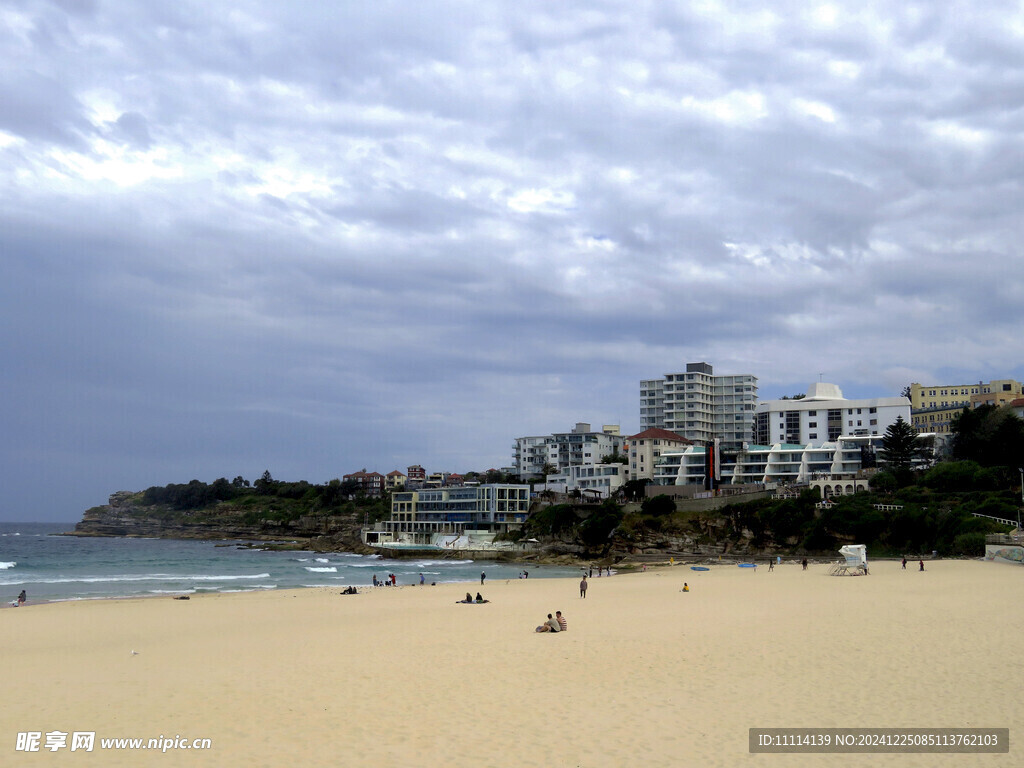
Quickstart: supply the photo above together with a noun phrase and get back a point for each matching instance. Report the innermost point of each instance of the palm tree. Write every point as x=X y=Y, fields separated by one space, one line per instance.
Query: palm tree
x=547 y=469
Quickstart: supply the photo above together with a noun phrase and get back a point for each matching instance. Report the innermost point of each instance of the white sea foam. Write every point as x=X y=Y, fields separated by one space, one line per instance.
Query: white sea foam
x=5 y=566
x=427 y=563
x=331 y=569
x=322 y=560
x=139 y=577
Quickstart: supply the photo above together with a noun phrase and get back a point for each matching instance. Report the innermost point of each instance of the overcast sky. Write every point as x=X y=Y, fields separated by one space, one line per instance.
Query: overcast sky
x=317 y=237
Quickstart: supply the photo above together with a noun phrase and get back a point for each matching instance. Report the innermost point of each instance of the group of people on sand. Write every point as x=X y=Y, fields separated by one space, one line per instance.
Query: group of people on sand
x=389 y=581
x=20 y=601
x=470 y=599
x=556 y=624
x=920 y=564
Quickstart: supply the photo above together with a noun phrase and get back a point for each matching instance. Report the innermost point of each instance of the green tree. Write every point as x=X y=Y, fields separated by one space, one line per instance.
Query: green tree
x=633 y=490
x=658 y=505
x=546 y=470
x=899 y=445
x=615 y=458
x=989 y=435
x=265 y=486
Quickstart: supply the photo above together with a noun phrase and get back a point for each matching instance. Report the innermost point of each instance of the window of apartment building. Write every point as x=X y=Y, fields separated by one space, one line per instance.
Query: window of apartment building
x=873 y=422
x=813 y=424
x=851 y=422
x=849 y=412
x=813 y=435
x=812 y=413
x=872 y=410
x=858 y=422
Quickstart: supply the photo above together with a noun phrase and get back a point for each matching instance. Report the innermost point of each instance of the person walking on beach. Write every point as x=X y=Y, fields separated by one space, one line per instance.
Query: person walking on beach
x=921 y=563
x=904 y=563
x=482 y=577
x=804 y=563
x=22 y=598
x=771 y=565
x=583 y=586
x=422 y=580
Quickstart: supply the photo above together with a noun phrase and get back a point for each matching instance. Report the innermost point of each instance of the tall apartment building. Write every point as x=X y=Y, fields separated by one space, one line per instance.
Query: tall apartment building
x=934 y=407
x=580 y=447
x=701 y=406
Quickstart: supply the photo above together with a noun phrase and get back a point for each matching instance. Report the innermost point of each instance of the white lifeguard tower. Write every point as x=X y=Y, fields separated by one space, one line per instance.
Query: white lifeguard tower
x=856 y=563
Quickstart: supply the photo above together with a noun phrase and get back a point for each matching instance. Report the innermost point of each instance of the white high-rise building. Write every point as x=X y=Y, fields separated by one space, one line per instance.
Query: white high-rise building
x=701 y=406
x=824 y=415
x=562 y=450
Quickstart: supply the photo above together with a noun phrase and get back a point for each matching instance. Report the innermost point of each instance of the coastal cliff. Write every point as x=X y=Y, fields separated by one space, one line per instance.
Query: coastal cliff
x=128 y=515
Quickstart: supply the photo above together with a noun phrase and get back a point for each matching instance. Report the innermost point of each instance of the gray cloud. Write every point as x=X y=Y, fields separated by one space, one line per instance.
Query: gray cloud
x=373 y=235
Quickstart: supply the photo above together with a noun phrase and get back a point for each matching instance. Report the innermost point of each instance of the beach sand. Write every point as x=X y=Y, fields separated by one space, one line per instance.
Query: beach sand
x=646 y=675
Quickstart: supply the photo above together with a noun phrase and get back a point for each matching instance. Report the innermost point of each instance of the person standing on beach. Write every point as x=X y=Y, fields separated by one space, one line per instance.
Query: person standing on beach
x=583 y=586
x=804 y=563
x=904 y=563
x=421 y=579
x=482 y=577
x=22 y=598
x=921 y=563
x=771 y=565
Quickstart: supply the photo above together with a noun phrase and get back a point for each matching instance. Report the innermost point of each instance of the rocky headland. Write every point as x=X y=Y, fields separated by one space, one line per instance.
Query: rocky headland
x=126 y=515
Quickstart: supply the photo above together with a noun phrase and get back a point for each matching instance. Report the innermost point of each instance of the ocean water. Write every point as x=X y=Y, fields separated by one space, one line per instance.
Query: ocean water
x=51 y=567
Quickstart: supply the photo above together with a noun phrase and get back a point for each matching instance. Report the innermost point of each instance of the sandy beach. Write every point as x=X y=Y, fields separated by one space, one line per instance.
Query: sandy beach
x=646 y=675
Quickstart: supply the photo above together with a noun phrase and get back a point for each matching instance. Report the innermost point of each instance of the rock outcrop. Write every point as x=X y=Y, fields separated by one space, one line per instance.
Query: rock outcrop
x=125 y=516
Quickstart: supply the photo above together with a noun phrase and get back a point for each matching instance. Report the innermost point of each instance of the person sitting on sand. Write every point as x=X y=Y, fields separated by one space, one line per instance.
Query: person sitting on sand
x=551 y=625
x=563 y=625
x=480 y=599
x=469 y=598
x=686 y=587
